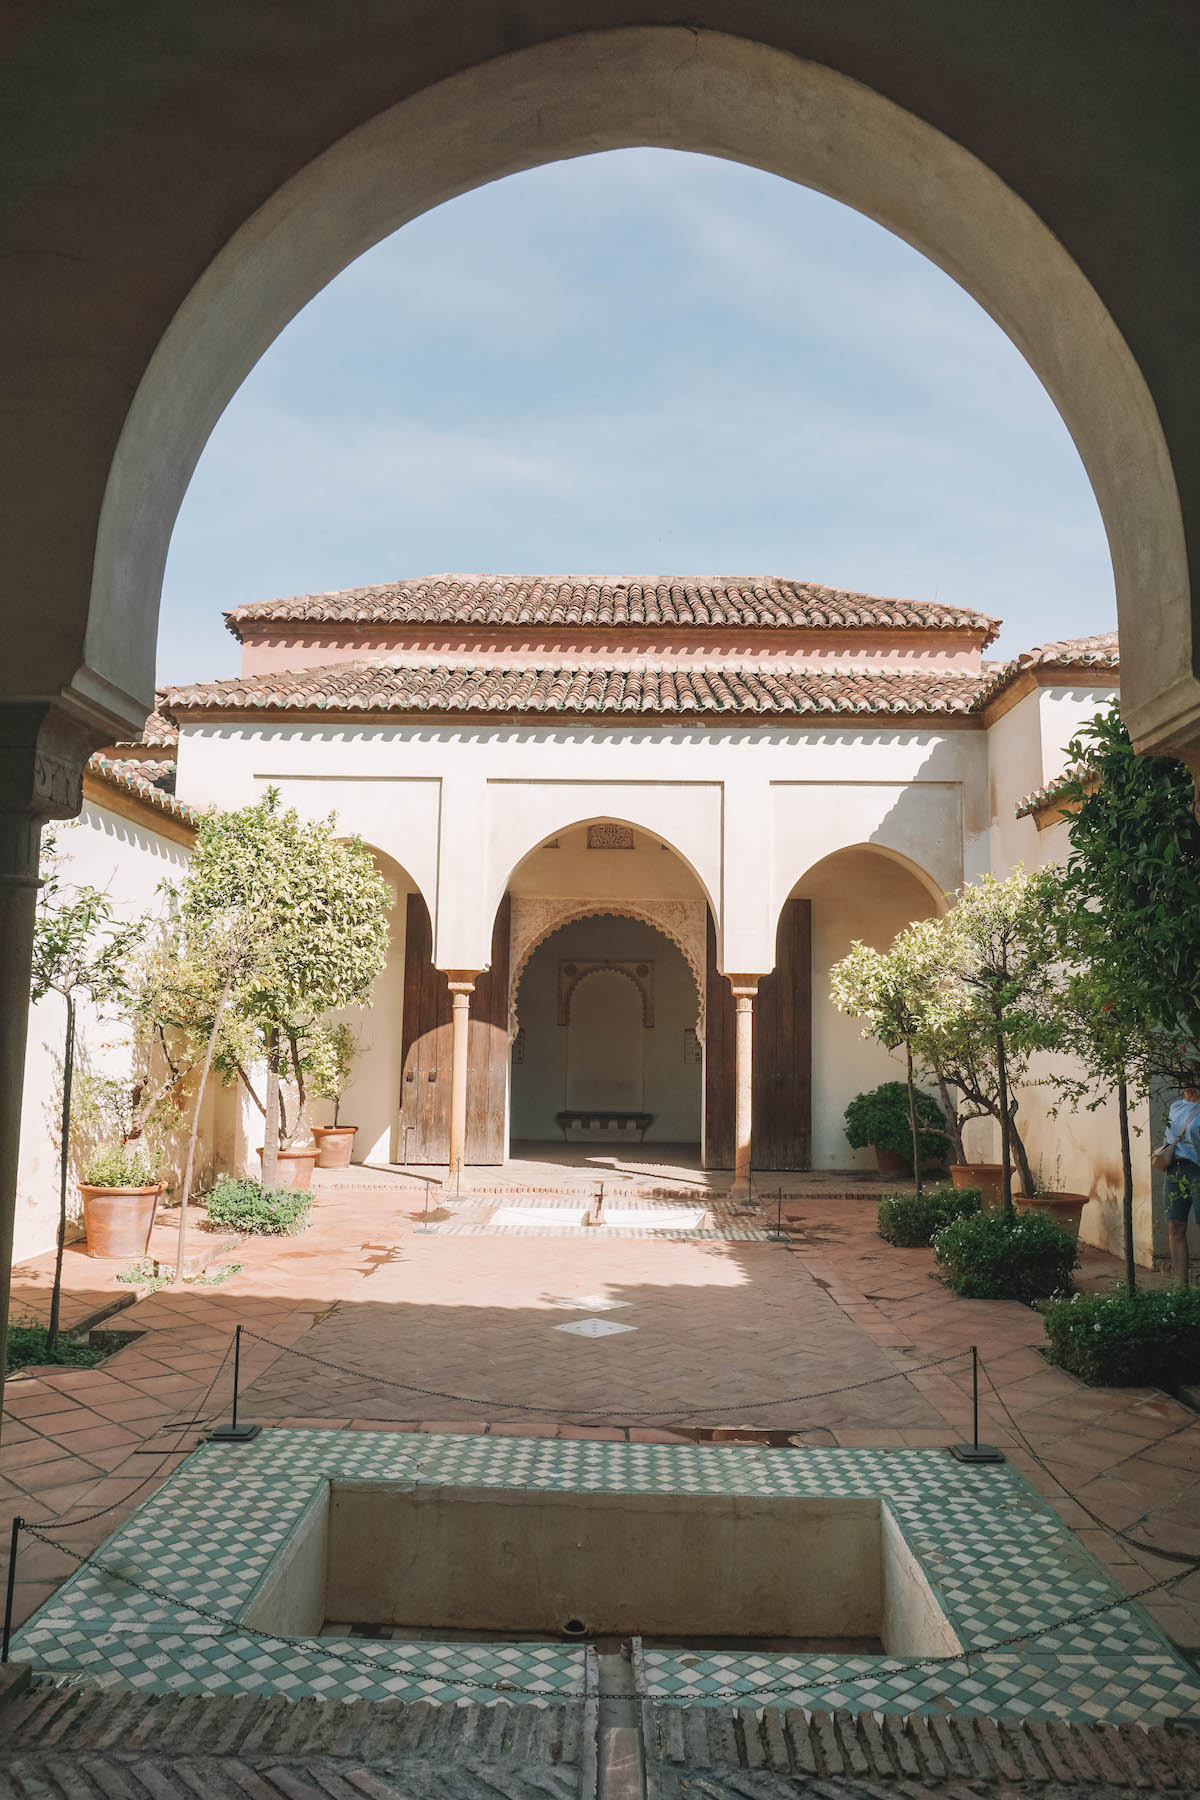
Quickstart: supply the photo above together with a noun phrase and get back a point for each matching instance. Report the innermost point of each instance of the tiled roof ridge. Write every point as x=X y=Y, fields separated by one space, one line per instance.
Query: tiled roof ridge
x=1051 y=791
x=1099 y=650
x=386 y=685
x=157 y=733
x=127 y=776
x=689 y=601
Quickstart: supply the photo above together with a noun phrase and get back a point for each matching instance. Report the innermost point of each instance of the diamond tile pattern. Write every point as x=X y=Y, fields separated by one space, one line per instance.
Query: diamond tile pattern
x=998 y=1558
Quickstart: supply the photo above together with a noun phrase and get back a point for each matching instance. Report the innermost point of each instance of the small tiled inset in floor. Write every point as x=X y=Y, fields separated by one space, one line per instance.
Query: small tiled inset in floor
x=168 y=1602
x=593 y=1328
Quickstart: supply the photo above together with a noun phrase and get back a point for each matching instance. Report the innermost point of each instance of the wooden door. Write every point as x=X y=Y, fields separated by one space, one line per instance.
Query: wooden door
x=719 y=1027
x=783 y=1047
x=487 y=1050
x=427 y=1043
x=427 y=1032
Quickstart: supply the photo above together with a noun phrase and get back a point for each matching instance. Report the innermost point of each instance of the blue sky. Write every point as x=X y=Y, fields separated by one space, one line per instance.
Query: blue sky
x=642 y=362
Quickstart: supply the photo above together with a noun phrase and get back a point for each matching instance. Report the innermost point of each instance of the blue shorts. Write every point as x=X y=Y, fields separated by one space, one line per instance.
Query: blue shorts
x=1183 y=1190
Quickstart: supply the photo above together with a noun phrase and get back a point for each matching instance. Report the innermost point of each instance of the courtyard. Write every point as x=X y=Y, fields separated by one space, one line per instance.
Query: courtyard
x=365 y=1322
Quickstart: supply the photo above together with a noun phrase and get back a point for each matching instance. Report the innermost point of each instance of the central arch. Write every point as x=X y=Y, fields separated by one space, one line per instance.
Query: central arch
x=672 y=88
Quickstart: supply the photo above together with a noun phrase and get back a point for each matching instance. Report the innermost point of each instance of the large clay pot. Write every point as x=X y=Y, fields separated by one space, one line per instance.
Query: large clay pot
x=989 y=1177
x=1065 y=1209
x=334 y=1144
x=892 y=1165
x=118 y=1221
x=295 y=1166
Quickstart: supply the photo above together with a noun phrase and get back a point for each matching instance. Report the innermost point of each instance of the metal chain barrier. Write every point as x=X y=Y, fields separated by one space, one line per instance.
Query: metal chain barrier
x=665 y=1413
x=230 y=1625
x=1176 y=1556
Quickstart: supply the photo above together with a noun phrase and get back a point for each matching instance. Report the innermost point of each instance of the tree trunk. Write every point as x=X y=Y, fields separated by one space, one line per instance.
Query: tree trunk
x=1005 y=1124
x=190 y=1165
x=1126 y=1186
x=1021 y=1156
x=64 y=1163
x=270 y=1159
x=953 y=1127
x=912 y=1118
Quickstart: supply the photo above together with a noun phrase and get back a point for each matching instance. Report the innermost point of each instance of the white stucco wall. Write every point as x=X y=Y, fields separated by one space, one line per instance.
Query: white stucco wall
x=748 y=810
x=1077 y=1151
x=128 y=861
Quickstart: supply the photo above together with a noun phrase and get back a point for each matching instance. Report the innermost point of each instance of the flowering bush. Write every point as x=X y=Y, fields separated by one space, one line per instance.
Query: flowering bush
x=910 y=1220
x=249 y=1207
x=121 y=1166
x=1006 y=1256
x=1127 y=1340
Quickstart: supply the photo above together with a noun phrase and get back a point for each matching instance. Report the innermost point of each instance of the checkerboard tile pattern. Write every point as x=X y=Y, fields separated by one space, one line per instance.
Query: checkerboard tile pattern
x=999 y=1559
x=553 y=1216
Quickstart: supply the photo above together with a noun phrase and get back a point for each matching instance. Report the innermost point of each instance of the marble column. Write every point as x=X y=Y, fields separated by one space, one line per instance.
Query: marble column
x=462 y=985
x=42 y=753
x=745 y=987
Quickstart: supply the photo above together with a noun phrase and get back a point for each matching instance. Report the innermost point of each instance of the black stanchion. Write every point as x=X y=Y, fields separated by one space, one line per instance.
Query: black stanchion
x=11 y=1588
x=425 y=1225
x=975 y=1452
x=233 y=1433
x=779 y=1235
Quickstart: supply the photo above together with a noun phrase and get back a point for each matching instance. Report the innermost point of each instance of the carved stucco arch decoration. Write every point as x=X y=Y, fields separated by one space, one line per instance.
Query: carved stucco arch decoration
x=628 y=971
x=535 y=917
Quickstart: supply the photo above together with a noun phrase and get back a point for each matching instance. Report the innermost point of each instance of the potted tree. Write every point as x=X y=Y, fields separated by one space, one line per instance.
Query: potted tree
x=320 y=908
x=120 y=1190
x=890 y=990
x=333 y=1061
x=79 y=949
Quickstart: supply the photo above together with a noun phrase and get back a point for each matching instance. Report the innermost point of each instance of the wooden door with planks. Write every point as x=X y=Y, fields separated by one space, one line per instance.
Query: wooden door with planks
x=488 y=1051
x=427 y=1036
x=719 y=1027
x=783 y=1047
x=782 y=1118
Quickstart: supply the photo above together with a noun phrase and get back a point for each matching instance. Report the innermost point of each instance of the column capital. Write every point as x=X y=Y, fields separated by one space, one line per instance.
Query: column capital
x=43 y=750
x=461 y=981
x=745 y=987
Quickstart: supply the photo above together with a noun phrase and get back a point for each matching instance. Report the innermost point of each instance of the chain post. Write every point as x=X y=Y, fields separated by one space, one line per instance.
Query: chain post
x=11 y=1587
x=233 y=1433
x=975 y=1452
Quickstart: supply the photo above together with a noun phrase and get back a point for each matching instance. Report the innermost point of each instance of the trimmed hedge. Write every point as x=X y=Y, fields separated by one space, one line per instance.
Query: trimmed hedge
x=910 y=1220
x=1149 y=1339
x=266 y=1212
x=1003 y=1256
x=880 y=1119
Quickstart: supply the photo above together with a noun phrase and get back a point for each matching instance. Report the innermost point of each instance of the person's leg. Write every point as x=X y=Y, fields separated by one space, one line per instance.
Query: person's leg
x=1177 y=1231
x=1180 y=1188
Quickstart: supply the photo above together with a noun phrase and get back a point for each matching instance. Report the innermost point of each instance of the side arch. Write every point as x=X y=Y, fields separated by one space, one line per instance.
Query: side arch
x=936 y=893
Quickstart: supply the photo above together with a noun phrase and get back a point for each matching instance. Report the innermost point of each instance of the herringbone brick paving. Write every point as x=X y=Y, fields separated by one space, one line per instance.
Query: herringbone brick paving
x=720 y=1331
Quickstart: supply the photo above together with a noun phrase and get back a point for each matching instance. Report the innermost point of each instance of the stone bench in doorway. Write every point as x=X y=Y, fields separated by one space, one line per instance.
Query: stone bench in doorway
x=587 y=1124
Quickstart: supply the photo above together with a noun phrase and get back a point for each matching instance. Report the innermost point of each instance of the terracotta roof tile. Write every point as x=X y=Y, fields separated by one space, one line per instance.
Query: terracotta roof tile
x=1099 y=651
x=762 y=602
x=158 y=733
x=383 y=686
x=153 y=783
x=1050 y=794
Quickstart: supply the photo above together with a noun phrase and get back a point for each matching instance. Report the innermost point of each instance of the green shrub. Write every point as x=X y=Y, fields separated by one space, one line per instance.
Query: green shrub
x=121 y=1165
x=25 y=1347
x=248 y=1206
x=880 y=1119
x=1002 y=1256
x=910 y=1220
x=1127 y=1340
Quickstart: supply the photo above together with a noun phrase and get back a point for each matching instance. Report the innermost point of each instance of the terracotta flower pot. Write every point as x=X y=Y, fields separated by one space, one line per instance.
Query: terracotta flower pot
x=334 y=1144
x=118 y=1221
x=295 y=1166
x=1065 y=1209
x=892 y=1165
x=989 y=1177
